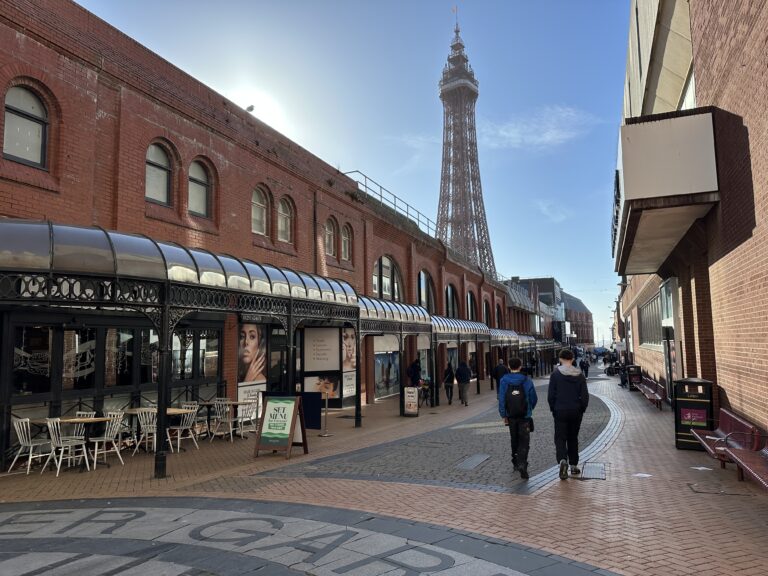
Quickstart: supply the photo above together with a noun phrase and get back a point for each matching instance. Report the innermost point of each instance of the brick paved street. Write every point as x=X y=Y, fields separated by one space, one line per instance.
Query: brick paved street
x=647 y=517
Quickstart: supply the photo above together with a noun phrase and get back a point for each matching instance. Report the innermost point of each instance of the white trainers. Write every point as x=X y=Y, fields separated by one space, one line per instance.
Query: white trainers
x=575 y=471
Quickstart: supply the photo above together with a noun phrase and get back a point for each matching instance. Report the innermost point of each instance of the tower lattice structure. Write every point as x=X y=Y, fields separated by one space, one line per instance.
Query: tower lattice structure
x=461 y=221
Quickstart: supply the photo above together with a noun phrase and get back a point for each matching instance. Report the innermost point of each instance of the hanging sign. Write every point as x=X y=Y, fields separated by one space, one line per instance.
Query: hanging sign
x=281 y=426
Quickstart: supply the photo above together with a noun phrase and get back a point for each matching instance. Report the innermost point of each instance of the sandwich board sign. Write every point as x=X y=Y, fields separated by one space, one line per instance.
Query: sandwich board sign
x=281 y=426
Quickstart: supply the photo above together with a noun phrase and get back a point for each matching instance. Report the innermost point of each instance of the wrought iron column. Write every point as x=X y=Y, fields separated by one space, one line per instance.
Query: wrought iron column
x=358 y=392
x=166 y=346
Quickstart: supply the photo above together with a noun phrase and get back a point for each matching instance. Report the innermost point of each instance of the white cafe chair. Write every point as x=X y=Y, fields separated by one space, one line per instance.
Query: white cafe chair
x=27 y=443
x=187 y=424
x=111 y=436
x=61 y=445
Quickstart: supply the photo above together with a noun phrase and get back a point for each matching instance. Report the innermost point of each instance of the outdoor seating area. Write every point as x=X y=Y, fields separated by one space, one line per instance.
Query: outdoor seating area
x=732 y=432
x=86 y=440
x=653 y=391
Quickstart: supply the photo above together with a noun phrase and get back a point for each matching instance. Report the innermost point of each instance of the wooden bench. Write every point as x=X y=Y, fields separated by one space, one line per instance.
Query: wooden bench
x=655 y=392
x=752 y=462
x=732 y=431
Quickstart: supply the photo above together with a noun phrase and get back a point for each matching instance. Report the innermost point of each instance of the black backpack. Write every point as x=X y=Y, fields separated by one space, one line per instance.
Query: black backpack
x=516 y=401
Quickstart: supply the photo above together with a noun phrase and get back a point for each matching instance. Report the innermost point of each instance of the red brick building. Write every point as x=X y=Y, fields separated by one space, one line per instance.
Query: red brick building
x=100 y=134
x=689 y=224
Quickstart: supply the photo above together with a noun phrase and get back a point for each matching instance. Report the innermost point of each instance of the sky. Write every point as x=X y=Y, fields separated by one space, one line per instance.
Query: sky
x=355 y=82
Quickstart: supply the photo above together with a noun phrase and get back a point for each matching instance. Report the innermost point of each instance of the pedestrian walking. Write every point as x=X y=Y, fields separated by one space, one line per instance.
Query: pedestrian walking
x=517 y=399
x=414 y=372
x=568 y=399
x=463 y=376
x=584 y=365
x=498 y=372
x=449 y=379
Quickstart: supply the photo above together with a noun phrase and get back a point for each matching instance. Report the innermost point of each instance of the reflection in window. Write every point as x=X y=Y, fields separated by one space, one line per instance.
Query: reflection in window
x=79 y=359
x=182 y=355
x=118 y=362
x=199 y=189
x=209 y=353
x=285 y=221
x=387 y=283
x=330 y=237
x=31 y=360
x=277 y=346
x=486 y=313
x=451 y=302
x=471 y=307
x=346 y=243
x=158 y=175
x=498 y=317
x=259 y=212
x=150 y=356
x=26 y=126
x=426 y=292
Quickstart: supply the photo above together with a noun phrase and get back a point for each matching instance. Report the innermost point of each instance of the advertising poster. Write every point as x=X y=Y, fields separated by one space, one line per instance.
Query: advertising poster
x=348 y=350
x=411 y=400
x=321 y=349
x=348 y=386
x=324 y=383
x=282 y=426
x=387 y=374
x=252 y=355
x=249 y=392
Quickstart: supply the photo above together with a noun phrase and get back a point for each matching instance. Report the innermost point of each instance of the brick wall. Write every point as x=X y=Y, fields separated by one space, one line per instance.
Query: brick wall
x=731 y=71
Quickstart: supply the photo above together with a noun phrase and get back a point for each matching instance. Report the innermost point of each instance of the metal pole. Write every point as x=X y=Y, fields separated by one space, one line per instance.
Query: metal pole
x=325 y=426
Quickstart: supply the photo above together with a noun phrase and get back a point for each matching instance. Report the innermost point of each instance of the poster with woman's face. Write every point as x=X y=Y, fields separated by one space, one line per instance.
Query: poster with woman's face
x=323 y=384
x=252 y=354
x=348 y=350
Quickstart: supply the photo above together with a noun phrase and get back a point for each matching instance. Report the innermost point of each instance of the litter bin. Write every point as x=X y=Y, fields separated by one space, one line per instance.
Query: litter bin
x=634 y=376
x=693 y=409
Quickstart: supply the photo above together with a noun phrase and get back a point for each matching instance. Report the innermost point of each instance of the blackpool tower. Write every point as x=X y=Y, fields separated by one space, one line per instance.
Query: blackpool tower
x=461 y=222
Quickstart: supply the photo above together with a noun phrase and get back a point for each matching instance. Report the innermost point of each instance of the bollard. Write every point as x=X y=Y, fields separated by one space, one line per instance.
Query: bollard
x=325 y=433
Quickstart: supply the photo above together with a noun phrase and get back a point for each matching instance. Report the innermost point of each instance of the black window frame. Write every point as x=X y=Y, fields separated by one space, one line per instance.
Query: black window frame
x=168 y=169
x=45 y=123
x=208 y=188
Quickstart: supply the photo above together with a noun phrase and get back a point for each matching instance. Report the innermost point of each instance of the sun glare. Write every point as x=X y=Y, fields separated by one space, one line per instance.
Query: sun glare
x=265 y=108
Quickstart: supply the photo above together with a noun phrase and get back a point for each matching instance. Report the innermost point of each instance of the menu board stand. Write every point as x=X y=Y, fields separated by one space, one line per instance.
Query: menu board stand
x=281 y=426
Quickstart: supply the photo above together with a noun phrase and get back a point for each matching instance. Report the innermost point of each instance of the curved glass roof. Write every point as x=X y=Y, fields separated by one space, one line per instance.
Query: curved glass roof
x=388 y=310
x=43 y=247
x=442 y=325
x=505 y=337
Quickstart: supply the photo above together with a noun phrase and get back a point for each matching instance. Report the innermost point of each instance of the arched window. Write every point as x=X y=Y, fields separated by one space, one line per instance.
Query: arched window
x=26 y=127
x=451 y=302
x=426 y=292
x=285 y=221
x=471 y=307
x=387 y=283
x=259 y=212
x=158 y=175
x=346 y=243
x=199 y=190
x=330 y=238
x=487 y=314
x=499 y=317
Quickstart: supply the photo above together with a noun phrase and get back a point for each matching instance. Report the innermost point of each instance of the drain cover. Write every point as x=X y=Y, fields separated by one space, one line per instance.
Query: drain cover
x=593 y=471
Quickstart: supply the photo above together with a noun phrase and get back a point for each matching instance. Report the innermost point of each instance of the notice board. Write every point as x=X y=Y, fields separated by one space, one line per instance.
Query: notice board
x=281 y=426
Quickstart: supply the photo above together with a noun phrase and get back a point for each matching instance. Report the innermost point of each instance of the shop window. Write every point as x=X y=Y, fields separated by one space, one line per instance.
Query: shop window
x=26 y=127
x=471 y=307
x=118 y=360
x=183 y=341
x=451 y=302
x=486 y=313
x=158 y=175
x=31 y=373
x=199 y=190
x=79 y=359
x=150 y=356
x=649 y=316
x=209 y=353
x=259 y=212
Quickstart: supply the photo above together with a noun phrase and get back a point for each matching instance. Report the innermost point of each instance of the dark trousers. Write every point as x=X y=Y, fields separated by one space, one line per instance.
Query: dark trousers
x=520 y=439
x=567 y=424
x=449 y=392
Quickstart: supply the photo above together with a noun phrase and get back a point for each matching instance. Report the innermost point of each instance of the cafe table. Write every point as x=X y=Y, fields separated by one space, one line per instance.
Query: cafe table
x=87 y=421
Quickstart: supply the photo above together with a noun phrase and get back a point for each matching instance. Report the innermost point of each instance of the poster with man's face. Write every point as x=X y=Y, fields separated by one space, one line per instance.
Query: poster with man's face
x=252 y=354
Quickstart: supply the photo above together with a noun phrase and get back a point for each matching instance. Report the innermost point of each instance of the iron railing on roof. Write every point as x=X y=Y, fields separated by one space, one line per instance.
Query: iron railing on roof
x=376 y=191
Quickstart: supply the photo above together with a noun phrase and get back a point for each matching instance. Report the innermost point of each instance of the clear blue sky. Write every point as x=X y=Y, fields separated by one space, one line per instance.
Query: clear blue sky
x=355 y=82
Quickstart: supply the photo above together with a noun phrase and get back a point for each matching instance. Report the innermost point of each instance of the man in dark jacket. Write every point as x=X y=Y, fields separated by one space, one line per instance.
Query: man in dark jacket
x=519 y=427
x=568 y=399
x=499 y=372
x=463 y=376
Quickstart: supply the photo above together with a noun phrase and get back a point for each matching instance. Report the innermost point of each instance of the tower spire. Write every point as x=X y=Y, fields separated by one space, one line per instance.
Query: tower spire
x=461 y=222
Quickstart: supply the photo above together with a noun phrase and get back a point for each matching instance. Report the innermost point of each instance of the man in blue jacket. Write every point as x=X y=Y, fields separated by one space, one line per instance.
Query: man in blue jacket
x=516 y=413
